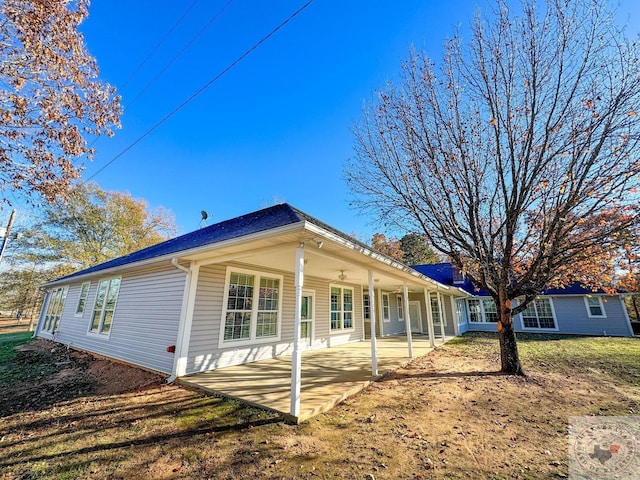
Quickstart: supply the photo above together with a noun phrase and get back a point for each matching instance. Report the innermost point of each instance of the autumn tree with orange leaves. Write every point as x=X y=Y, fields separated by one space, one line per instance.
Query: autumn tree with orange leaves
x=517 y=155
x=51 y=99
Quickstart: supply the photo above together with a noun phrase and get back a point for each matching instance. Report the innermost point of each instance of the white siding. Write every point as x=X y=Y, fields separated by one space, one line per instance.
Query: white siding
x=145 y=320
x=204 y=353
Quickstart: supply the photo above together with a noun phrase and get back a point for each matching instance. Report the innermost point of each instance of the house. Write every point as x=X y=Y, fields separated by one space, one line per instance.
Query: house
x=270 y=283
x=574 y=309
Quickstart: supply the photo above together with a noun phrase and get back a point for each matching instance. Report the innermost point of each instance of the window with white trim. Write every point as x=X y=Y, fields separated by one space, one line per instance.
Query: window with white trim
x=400 y=308
x=475 y=311
x=82 y=299
x=490 y=311
x=386 y=311
x=251 y=313
x=106 y=297
x=54 y=309
x=595 y=307
x=539 y=314
x=366 y=306
x=341 y=308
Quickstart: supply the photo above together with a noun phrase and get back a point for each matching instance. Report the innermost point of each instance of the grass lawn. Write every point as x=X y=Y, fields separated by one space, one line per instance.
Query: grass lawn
x=447 y=415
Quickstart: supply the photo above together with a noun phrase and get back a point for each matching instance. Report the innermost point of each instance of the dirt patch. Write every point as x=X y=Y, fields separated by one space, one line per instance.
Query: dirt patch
x=448 y=415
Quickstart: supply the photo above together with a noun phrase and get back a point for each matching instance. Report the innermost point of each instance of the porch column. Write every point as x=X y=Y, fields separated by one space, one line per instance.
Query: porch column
x=441 y=313
x=186 y=320
x=427 y=301
x=372 y=314
x=456 y=319
x=407 y=319
x=296 y=357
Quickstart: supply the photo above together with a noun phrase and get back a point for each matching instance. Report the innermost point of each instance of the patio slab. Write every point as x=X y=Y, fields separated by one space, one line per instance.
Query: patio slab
x=329 y=375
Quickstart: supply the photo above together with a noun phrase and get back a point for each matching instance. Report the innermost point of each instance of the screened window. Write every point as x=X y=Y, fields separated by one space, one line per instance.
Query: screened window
x=341 y=308
x=475 y=312
x=247 y=305
x=594 y=306
x=386 y=312
x=539 y=314
x=490 y=311
x=400 y=308
x=54 y=309
x=105 y=306
x=82 y=299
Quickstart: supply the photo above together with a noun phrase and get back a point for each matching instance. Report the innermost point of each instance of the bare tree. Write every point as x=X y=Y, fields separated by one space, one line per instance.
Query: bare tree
x=50 y=96
x=517 y=155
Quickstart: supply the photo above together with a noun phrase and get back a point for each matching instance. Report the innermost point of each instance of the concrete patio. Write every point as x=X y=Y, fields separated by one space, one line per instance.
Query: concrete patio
x=329 y=375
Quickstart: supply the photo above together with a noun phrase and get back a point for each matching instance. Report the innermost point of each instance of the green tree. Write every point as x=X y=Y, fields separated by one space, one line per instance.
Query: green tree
x=50 y=96
x=91 y=227
x=416 y=250
x=517 y=156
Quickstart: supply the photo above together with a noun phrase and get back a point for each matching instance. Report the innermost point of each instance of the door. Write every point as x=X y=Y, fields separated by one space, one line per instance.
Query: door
x=307 y=308
x=416 y=316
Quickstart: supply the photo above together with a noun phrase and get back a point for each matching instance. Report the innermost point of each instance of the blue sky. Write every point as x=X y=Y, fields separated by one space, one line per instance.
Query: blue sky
x=277 y=127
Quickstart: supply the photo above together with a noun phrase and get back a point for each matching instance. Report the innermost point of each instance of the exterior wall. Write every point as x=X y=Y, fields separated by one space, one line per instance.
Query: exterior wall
x=393 y=326
x=571 y=317
x=145 y=320
x=204 y=350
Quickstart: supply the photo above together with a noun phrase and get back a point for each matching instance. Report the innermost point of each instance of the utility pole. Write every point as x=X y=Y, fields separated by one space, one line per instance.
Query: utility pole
x=5 y=240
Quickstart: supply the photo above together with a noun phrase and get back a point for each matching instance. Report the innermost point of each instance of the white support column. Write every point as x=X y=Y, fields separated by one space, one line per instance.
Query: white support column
x=372 y=314
x=186 y=320
x=441 y=313
x=427 y=301
x=296 y=357
x=407 y=319
x=454 y=313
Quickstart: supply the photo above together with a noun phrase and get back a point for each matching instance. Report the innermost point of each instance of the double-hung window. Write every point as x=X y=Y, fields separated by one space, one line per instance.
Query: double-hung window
x=366 y=306
x=435 y=309
x=595 y=308
x=104 y=307
x=386 y=312
x=475 y=311
x=539 y=314
x=490 y=311
x=252 y=306
x=341 y=308
x=54 y=309
x=400 y=308
x=82 y=299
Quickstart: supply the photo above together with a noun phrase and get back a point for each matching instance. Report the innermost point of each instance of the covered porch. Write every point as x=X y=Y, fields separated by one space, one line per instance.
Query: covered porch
x=328 y=376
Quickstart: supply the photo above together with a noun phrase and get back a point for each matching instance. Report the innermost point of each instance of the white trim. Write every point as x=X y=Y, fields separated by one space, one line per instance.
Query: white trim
x=341 y=329
x=387 y=318
x=186 y=320
x=430 y=329
x=553 y=314
x=86 y=297
x=407 y=318
x=252 y=340
x=310 y=293
x=373 y=341
x=600 y=303
x=99 y=334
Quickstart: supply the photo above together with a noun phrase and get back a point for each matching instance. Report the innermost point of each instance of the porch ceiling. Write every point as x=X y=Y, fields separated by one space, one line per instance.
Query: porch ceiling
x=328 y=261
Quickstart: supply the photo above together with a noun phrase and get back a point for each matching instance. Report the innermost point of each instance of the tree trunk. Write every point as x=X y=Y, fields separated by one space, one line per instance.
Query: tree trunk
x=507 y=336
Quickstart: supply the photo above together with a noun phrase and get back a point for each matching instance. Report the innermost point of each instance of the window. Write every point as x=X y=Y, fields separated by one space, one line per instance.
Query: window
x=475 y=312
x=400 y=308
x=366 y=303
x=490 y=311
x=539 y=314
x=54 y=309
x=341 y=308
x=595 y=308
x=458 y=276
x=251 y=313
x=82 y=299
x=435 y=309
x=386 y=312
x=105 y=305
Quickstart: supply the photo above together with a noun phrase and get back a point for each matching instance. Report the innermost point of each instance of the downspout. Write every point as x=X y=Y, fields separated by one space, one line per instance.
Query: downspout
x=174 y=262
x=183 y=318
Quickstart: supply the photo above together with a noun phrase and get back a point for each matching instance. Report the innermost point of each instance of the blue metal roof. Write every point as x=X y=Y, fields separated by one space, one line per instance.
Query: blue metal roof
x=443 y=273
x=258 y=221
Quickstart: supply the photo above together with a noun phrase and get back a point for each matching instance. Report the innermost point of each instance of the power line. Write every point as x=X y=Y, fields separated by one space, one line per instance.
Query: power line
x=159 y=44
x=179 y=54
x=203 y=88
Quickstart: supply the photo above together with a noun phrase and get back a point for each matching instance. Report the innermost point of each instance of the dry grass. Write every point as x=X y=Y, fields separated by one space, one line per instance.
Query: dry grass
x=448 y=415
